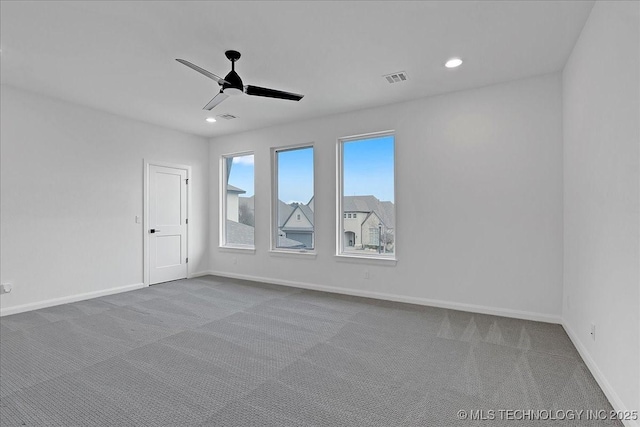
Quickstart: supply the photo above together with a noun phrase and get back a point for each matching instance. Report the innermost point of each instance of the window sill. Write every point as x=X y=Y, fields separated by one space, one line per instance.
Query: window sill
x=293 y=254
x=243 y=249
x=367 y=259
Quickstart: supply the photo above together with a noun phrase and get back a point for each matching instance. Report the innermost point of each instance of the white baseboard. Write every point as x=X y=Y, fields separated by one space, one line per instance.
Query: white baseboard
x=198 y=274
x=65 y=300
x=602 y=381
x=539 y=317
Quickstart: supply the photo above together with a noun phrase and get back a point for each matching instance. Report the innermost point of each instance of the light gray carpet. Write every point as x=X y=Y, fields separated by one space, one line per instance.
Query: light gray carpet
x=220 y=352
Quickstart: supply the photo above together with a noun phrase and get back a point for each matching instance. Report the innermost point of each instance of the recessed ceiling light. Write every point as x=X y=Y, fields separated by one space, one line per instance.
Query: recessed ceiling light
x=453 y=63
x=210 y=119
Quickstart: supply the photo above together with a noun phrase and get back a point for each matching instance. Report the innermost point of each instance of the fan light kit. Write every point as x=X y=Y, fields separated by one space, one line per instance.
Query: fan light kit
x=453 y=63
x=232 y=84
x=210 y=119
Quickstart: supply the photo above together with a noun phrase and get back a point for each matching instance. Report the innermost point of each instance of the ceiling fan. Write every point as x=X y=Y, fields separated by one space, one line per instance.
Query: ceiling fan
x=232 y=84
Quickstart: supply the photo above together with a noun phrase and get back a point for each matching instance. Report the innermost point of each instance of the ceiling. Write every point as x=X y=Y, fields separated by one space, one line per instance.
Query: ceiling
x=119 y=56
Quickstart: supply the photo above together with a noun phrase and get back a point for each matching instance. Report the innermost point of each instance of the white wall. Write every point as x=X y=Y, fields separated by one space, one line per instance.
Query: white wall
x=479 y=201
x=601 y=92
x=72 y=184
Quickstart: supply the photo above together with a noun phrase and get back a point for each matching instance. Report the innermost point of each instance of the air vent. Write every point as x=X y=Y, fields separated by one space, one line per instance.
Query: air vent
x=226 y=116
x=400 y=76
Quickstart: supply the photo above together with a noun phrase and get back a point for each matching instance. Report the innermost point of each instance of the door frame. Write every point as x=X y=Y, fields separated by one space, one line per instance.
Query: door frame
x=145 y=221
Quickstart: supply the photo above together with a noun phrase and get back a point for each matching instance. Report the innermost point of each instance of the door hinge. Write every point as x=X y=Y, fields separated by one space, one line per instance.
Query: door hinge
x=187 y=180
x=186 y=260
x=186 y=221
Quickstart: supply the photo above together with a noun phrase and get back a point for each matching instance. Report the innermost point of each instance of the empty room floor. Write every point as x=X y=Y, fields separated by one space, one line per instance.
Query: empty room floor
x=215 y=351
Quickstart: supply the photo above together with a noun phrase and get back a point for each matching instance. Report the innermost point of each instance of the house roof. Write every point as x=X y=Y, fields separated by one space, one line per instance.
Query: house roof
x=359 y=203
x=233 y=189
x=285 y=242
x=238 y=233
x=242 y=234
x=284 y=212
x=388 y=214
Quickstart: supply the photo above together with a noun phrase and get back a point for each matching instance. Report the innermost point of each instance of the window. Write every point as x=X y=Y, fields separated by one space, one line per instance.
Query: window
x=237 y=207
x=366 y=184
x=293 y=206
x=374 y=236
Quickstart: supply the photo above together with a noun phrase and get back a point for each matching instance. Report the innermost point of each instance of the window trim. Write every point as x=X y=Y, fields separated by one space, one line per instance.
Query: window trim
x=274 y=249
x=223 y=202
x=340 y=253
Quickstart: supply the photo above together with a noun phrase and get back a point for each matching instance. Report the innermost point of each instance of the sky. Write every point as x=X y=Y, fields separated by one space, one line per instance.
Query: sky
x=368 y=170
x=241 y=175
x=295 y=175
x=368 y=167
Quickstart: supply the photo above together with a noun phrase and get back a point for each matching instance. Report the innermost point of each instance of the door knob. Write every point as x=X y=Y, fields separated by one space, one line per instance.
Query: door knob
x=153 y=230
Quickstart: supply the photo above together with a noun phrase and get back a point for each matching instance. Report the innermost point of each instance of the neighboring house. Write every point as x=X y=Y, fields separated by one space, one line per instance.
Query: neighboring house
x=240 y=224
x=299 y=224
x=368 y=223
x=233 y=193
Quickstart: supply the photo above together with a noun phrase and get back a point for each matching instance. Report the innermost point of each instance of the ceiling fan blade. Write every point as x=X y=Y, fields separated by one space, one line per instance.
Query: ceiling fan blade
x=212 y=76
x=215 y=101
x=271 y=93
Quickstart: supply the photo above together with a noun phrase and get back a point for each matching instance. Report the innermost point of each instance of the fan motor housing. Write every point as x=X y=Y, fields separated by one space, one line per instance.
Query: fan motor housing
x=233 y=81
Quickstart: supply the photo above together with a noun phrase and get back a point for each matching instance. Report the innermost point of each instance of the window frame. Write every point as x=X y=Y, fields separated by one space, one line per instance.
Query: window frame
x=222 y=223
x=274 y=249
x=340 y=252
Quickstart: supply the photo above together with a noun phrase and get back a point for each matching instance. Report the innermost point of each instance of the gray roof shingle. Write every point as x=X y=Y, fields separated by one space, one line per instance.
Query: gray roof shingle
x=284 y=212
x=239 y=234
x=284 y=242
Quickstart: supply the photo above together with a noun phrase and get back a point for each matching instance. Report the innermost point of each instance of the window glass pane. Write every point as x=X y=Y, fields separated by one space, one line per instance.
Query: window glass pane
x=368 y=199
x=295 y=207
x=240 y=217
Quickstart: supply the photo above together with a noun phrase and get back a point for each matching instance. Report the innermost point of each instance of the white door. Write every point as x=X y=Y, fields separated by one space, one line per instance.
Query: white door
x=167 y=224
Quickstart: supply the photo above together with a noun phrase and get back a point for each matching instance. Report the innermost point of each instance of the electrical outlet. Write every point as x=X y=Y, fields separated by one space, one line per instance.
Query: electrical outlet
x=137 y=219
x=5 y=288
x=366 y=274
x=593 y=331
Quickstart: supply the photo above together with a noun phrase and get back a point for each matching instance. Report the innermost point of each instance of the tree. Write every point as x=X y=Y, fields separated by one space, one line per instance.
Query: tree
x=388 y=239
x=245 y=215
